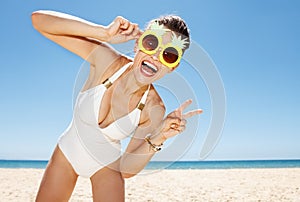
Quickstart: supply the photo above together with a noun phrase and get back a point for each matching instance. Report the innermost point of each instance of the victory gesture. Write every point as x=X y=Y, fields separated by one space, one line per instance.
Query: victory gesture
x=175 y=122
x=121 y=30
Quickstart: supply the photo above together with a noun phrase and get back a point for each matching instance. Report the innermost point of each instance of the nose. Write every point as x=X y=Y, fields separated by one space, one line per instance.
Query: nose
x=155 y=56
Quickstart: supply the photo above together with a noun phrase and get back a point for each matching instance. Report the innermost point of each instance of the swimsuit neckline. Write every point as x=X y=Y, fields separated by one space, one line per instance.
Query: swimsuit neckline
x=95 y=88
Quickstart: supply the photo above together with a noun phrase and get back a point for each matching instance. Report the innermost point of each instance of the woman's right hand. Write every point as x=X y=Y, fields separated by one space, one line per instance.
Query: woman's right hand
x=174 y=123
x=121 y=30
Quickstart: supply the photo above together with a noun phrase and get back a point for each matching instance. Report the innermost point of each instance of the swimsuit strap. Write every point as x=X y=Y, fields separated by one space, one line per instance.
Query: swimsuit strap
x=142 y=102
x=109 y=81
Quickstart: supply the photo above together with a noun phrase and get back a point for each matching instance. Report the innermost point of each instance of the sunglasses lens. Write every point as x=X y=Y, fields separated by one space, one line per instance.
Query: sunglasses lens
x=150 y=42
x=170 y=55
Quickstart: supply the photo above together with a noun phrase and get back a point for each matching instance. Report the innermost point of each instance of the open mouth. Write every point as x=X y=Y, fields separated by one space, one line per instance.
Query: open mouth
x=148 y=69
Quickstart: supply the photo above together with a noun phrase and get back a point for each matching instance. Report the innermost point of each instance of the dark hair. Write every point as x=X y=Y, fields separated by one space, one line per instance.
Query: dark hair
x=176 y=24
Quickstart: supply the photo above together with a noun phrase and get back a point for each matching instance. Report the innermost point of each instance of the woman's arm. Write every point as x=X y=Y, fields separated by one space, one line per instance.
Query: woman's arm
x=82 y=37
x=139 y=152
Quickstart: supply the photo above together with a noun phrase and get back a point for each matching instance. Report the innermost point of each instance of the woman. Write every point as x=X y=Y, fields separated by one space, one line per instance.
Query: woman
x=117 y=100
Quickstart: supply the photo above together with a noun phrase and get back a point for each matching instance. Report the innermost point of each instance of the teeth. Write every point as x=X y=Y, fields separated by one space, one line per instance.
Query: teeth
x=154 y=68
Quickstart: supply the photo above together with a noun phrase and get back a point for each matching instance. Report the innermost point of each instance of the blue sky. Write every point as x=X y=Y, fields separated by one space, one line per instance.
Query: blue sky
x=254 y=44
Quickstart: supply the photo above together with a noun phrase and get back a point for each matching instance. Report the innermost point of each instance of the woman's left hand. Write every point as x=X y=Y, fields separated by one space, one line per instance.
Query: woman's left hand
x=122 y=30
x=175 y=122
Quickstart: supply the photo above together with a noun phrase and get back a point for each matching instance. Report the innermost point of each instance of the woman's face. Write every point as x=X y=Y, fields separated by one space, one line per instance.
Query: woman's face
x=148 y=68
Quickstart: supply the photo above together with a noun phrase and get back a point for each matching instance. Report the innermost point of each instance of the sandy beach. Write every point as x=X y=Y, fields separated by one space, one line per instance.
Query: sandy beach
x=173 y=185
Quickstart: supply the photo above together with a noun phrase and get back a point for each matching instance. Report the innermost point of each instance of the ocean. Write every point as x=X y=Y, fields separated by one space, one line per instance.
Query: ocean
x=177 y=164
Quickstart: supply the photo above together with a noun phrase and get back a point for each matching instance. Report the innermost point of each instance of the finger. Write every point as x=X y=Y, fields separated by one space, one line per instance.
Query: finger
x=179 y=129
x=173 y=121
x=184 y=105
x=173 y=125
x=124 y=24
x=119 y=18
x=136 y=31
x=192 y=113
x=176 y=126
x=134 y=34
x=140 y=33
x=183 y=122
x=129 y=29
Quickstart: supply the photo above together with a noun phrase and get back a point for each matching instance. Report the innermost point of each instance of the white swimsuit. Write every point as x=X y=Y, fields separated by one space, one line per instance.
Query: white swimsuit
x=87 y=146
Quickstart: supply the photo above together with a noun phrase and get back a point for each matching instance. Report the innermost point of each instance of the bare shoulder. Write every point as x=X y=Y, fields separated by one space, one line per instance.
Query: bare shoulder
x=107 y=69
x=103 y=55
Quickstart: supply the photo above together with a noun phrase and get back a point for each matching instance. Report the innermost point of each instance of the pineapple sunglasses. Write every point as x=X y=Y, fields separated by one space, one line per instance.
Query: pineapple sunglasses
x=170 y=54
